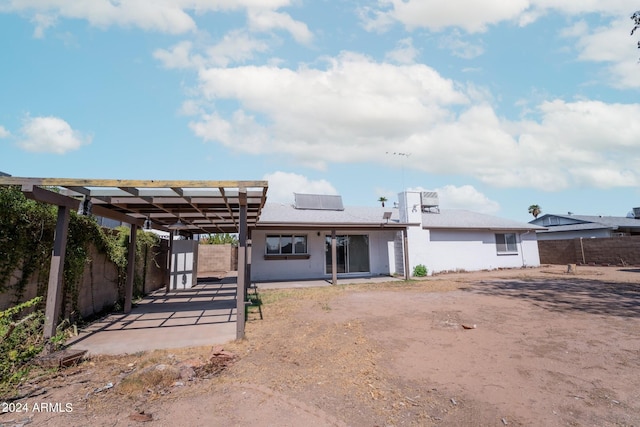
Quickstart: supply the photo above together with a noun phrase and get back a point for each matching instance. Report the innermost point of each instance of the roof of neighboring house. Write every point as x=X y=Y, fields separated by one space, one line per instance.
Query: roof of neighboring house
x=589 y=222
x=576 y=227
x=467 y=220
x=280 y=215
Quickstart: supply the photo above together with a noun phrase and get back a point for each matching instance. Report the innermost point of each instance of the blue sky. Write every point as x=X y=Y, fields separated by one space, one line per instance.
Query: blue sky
x=496 y=107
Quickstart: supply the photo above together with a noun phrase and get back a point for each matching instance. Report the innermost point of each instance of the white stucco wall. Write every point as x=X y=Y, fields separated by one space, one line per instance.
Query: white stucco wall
x=453 y=250
x=314 y=267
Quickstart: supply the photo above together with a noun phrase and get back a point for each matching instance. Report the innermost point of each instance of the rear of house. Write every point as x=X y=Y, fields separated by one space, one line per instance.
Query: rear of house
x=293 y=241
x=461 y=240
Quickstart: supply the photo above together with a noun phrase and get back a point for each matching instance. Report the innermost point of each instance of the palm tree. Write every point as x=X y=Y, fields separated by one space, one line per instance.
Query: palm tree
x=382 y=199
x=535 y=210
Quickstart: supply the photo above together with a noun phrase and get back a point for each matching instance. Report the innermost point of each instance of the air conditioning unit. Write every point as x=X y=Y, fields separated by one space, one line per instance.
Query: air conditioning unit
x=636 y=213
x=429 y=201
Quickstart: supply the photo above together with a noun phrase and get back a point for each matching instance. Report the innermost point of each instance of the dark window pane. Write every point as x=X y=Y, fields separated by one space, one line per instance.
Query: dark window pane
x=273 y=244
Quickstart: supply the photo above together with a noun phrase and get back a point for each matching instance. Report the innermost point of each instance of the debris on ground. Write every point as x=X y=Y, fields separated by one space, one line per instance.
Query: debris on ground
x=141 y=417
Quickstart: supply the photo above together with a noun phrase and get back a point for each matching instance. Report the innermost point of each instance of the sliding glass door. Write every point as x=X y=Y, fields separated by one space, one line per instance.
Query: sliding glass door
x=352 y=254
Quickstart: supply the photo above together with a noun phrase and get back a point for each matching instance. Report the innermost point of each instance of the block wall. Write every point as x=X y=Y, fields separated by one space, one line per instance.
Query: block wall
x=216 y=259
x=609 y=250
x=98 y=288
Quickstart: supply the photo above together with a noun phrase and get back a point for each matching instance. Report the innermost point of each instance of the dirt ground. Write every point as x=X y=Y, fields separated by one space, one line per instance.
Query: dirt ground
x=527 y=347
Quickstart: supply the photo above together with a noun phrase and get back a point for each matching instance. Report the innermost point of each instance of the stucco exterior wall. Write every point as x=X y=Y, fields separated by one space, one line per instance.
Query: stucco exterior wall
x=313 y=267
x=453 y=250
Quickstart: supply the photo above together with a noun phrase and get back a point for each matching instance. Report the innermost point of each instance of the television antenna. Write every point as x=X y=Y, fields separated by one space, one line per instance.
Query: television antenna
x=404 y=156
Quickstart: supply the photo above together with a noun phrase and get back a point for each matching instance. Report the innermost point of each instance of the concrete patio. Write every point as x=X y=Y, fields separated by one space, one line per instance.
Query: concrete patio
x=200 y=316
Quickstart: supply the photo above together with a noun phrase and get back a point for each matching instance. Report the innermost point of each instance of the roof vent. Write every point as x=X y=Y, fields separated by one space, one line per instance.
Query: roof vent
x=323 y=202
x=429 y=201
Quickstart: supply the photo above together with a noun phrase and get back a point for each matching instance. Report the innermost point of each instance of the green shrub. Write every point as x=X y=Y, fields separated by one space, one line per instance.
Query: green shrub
x=420 y=270
x=21 y=339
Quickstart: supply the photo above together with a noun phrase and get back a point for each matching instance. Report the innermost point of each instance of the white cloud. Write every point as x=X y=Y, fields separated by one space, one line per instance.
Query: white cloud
x=477 y=17
x=179 y=56
x=4 y=133
x=267 y=20
x=463 y=197
x=236 y=47
x=42 y=23
x=404 y=53
x=611 y=45
x=282 y=185
x=460 y=47
x=437 y=15
x=356 y=110
x=50 y=135
x=334 y=114
x=168 y=16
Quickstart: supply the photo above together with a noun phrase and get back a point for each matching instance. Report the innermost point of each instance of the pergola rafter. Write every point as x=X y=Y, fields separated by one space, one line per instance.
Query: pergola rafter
x=201 y=207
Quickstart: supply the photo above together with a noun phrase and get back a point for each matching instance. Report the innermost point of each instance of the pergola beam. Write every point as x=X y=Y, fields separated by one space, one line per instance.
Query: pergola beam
x=66 y=182
x=51 y=197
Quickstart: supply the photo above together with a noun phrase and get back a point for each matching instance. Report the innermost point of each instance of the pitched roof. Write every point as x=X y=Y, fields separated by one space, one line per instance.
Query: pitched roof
x=467 y=220
x=285 y=215
x=589 y=222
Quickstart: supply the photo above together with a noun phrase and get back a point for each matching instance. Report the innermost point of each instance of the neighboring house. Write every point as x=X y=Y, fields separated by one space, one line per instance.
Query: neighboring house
x=570 y=226
x=292 y=242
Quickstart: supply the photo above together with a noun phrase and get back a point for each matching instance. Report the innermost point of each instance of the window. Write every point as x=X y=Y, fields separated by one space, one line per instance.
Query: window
x=286 y=244
x=506 y=244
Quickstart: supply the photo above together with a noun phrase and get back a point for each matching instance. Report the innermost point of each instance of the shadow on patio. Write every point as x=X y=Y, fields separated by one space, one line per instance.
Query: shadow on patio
x=202 y=315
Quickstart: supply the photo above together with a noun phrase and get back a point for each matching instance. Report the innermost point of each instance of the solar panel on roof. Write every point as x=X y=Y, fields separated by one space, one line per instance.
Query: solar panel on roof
x=318 y=202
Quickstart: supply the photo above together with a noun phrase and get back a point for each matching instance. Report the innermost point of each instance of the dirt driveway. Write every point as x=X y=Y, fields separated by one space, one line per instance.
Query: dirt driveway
x=513 y=347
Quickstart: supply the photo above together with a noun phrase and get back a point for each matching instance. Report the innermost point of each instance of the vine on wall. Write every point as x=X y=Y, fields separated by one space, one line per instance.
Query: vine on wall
x=27 y=231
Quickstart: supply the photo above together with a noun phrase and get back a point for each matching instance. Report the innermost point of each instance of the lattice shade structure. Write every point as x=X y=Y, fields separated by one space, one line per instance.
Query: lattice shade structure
x=195 y=207
x=202 y=206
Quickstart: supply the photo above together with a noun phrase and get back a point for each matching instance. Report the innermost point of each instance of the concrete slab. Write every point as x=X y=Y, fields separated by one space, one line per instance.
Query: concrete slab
x=200 y=316
x=315 y=283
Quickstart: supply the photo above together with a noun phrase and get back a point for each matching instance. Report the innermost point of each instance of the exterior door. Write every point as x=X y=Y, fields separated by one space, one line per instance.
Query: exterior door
x=352 y=254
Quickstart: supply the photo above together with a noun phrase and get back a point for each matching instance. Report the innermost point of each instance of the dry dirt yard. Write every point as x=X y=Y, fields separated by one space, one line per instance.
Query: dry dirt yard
x=542 y=348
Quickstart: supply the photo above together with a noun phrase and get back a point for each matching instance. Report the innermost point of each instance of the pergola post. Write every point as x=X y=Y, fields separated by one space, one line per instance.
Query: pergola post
x=242 y=264
x=131 y=269
x=334 y=260
x=56 y=273
x=248 y=260
x=405 y=247
x=167 y=273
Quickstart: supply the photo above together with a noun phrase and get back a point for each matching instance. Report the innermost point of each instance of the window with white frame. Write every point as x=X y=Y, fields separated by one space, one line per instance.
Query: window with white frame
x=286 y=244
x=506 y=243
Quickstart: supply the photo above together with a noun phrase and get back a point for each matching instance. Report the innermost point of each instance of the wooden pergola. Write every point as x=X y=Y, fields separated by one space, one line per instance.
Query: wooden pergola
x=193 y=207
